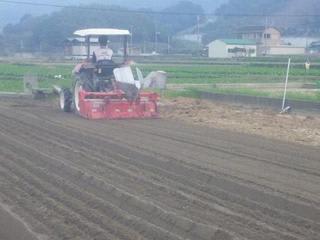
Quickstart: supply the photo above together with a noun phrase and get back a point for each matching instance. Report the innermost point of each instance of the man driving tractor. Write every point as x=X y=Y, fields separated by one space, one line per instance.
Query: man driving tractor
x=103 y=52
x=100 y=77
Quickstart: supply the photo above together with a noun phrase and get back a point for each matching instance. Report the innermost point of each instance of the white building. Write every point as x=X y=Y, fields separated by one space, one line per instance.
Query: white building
x=282 y=50
x=77 y=47
x=299 y=41
x=197 y=38
x=228 y=48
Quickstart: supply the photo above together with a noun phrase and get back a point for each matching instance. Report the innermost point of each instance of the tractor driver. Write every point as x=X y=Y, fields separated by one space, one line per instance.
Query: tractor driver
x=103 y=52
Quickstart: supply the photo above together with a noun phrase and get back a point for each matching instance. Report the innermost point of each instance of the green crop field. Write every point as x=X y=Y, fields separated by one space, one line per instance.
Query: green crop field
x=182 y=71
x=11 y=75
x=232 y=73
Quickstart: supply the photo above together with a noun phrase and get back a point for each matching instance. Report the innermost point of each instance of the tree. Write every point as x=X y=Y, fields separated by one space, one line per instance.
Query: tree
x=47 y=33
x=185 y=17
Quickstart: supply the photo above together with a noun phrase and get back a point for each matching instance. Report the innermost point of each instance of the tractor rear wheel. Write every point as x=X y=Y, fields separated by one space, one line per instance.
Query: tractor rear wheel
x=65 y=100
x=76 y=89
x=84 y=81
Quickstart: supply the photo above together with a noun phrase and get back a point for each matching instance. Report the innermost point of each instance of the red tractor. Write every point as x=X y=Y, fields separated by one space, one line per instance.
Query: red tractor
x=104 y=89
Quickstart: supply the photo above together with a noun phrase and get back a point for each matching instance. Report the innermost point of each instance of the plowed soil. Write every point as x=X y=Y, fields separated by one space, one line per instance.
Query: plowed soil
x=301 y=128
x=70 y=178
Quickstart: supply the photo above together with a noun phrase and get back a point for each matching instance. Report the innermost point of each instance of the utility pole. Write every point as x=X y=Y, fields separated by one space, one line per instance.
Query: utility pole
x=21 y=45
x=198 y=29
x=131 y=40
x=265 y=35
x=266 y=23
x=156 y=41
x=144 y=46
x=168 y=45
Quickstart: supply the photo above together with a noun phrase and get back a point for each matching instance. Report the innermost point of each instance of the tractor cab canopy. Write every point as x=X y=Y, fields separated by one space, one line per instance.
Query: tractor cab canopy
x=104 y=32
x=95 y=32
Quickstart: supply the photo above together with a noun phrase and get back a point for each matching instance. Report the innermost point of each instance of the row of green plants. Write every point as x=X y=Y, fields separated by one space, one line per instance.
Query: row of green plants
x=292 y=95
x=183 y=71
x=11 y=75
x=196 y=92
x=41 y=70
x=186 y=70
x=205 y=60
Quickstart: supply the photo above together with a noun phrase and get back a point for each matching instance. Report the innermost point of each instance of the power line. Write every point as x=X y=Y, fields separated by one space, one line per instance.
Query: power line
x=154 y=12
x=100 y=9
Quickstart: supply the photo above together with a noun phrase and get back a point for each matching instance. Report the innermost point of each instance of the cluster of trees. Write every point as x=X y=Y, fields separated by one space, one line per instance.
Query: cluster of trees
x=47 y=33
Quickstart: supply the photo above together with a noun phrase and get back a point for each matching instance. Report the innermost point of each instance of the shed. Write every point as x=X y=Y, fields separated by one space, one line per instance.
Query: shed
x=228 y=48
x=76 y=47
x=282 y=50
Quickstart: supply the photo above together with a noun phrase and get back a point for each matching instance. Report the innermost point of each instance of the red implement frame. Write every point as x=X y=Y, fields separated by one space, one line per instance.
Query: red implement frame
x=114 y=105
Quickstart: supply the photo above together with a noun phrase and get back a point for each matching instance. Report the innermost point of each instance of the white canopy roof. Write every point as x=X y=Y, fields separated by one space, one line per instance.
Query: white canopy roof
x=101 y=31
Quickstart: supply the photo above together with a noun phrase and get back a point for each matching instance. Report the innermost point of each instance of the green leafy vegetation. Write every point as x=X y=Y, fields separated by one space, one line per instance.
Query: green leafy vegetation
x=188 y=92
x=11 y=85
x=185 y=75
x=201 y=73
x=11 y=75
x=292 y=95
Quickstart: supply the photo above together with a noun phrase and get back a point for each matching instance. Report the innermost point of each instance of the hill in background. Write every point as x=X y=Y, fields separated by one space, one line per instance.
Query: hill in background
x=47 y=32
x=11 y=13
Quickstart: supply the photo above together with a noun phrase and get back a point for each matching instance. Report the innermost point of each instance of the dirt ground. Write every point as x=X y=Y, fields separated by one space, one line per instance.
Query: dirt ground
x=70 y=178
x=294 y=127
x=11 y=228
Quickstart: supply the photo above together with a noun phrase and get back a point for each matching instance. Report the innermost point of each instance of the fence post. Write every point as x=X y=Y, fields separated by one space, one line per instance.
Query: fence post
x=286 y=85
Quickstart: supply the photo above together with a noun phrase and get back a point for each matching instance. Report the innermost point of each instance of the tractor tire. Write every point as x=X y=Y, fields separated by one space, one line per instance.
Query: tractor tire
x=75 y=101
x=86 y=80
x=81 y=81
x=65 y=100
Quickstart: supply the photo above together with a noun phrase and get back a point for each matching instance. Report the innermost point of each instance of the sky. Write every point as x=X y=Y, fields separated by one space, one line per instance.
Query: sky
x=11 y=13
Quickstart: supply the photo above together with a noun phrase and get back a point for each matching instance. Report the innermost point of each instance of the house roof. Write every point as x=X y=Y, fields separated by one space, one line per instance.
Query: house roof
x=238 y=41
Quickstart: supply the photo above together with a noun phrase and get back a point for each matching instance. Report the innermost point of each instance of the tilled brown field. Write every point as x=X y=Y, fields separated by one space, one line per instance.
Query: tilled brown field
x=69 y=178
